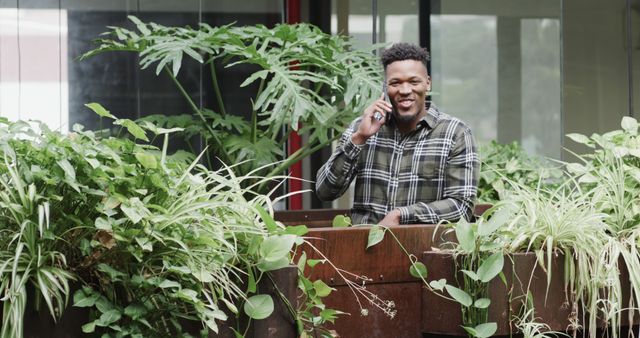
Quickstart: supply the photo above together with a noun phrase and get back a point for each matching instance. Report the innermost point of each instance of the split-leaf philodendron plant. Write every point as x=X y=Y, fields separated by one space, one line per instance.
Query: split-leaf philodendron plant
x=310 y=82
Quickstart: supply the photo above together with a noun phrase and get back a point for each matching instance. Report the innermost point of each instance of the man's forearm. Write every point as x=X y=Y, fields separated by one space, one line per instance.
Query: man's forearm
x=334 y=177
x=449 y=209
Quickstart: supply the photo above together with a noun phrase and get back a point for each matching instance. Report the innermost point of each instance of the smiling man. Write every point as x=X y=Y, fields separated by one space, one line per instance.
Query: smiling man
x=417 y=165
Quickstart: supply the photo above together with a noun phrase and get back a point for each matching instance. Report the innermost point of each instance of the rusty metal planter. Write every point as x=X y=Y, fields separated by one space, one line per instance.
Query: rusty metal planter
x=522 y=273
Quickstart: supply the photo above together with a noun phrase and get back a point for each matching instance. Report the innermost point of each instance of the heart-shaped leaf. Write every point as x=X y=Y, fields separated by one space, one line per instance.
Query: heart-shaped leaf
x=259 y=306
x=376 y=235
x=418 y=270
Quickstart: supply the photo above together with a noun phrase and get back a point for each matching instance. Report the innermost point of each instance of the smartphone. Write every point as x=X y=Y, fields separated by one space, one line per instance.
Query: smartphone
x=378 y=115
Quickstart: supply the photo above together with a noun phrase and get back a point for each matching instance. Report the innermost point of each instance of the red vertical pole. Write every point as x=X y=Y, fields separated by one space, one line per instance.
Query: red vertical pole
x=295 y=142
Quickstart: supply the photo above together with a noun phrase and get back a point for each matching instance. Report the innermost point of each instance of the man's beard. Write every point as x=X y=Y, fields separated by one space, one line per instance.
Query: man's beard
x=404 y=118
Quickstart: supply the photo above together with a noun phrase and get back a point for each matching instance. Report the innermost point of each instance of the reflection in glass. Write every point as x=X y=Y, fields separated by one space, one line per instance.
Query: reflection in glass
x=500 y=72
x=464 y=70
x=541 y=124
x=33 y=65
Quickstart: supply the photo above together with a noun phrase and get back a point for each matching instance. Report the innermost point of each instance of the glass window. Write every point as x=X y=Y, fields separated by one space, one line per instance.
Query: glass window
x=496 y=65
x=33 y=64
x=41 y=77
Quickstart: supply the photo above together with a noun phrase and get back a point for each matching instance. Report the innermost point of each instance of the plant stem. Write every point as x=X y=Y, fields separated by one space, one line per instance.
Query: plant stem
x=254 y=116
x=298 y=155
x=216 y=88
x=224 y=156
x=412 y=263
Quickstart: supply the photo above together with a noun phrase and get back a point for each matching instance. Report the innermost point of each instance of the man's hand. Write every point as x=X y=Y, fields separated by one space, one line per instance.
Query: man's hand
x=392 y=218
x=369 y=125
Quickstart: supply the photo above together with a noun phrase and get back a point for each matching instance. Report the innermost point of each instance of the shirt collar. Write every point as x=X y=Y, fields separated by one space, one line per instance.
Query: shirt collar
x=432 y=117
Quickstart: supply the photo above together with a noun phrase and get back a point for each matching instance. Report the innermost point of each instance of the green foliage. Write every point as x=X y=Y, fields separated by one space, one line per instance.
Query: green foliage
x=148 y=240
x=341 y=221
x=612 y=173
x=509 y=162
x=308 y=81
x=313 y=315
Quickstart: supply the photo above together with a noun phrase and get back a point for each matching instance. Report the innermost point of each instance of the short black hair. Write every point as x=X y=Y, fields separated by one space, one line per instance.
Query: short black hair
x=404 y=51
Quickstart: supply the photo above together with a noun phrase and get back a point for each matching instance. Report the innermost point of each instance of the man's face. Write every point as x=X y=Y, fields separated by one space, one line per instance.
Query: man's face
x=408 y=83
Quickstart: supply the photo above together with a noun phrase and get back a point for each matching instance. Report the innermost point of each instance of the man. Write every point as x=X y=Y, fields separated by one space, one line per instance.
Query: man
x=419 y=167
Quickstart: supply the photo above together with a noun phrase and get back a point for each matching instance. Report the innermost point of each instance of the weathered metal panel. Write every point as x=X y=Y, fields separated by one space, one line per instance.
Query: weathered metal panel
x=376 y=324
x=385 y=262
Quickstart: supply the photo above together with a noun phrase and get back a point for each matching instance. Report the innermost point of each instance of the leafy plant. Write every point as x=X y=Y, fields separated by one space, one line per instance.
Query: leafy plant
x=612 y=172
x=147 y=239
x=502 y=162
x=310 y=82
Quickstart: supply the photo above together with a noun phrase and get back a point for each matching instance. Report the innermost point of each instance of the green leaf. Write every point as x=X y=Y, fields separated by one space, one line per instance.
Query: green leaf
x=629 y=124
x=341 y=221
x=81 y=299
x=69 y=172
x=230 y=305
x=147 y=160
x=269 y=222
x=89 y=327
x=459 y=295
x=188 y=295
x=99 y=109
x=109 y=317
x=203 y=275
x=471 y=274
x=251 y=281
x=465 y=235
x=438 y=284
x=486 y=330
x=145 y=243
x=169 y=284
x=103 y=224
x=491 y=267
x=322 y=289
x=275 y=248
x=498 y=219
x=298 y=230
x=482 y=303
x=134 y=209
x=270 y=265
x=113 y=274
x=376 y=235
x=418 y=270
x=259 y=306
x=104 y=305
x=133 y=129
x=579 y=138
x=472 y=332
x=135 y=310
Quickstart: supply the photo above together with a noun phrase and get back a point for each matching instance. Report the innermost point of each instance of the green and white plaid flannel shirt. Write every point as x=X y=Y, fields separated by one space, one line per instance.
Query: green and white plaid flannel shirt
x=429 y=174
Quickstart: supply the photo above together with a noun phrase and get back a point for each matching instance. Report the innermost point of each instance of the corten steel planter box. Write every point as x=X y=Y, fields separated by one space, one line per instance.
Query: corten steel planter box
x=388 y=268
x=280 y=324
x=522 y=273
x=385 y=263
x=441 y=316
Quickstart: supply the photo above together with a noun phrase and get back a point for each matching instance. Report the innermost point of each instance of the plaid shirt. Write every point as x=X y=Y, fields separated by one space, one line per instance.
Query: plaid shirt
x=429 y=174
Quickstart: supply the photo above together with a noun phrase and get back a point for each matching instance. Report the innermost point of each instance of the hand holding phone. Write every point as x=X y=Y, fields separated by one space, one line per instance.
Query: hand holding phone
x=378 y=116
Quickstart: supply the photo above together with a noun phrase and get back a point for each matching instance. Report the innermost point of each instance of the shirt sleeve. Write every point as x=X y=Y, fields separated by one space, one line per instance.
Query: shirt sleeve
x=334 y=177
x=460 y=190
